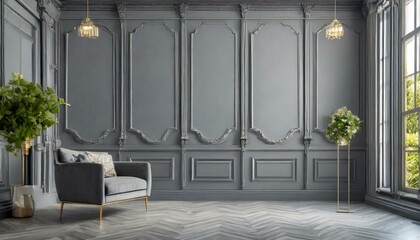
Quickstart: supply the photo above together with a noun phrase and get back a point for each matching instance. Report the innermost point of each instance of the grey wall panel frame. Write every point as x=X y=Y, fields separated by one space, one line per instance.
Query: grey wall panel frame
x=158 y=173
x=106 y=132
x=272 y=169
x=200 y=165
x=275 y=170
x=26 y=41
x=323 y=169
x=316 y=118
x=259 y=132
x=227 y=132
x=139 y=133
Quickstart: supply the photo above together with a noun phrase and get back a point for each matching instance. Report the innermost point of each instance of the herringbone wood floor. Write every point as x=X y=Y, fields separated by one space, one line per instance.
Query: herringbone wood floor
x=212 y=220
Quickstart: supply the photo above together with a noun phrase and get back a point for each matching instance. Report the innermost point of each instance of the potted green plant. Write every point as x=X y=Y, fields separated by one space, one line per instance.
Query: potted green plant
x=25 y=110
x=342 y=127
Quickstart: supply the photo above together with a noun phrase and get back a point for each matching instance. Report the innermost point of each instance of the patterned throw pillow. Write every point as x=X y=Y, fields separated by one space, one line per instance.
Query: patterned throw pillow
x=105 y=160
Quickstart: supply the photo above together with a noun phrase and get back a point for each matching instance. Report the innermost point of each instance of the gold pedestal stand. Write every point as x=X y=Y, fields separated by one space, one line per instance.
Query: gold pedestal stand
x=343 y=210
x=23 y=202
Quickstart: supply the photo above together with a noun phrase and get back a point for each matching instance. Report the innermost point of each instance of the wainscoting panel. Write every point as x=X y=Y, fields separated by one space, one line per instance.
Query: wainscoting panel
x=153 y=82
x=165 y=168
x=209 y=169
x=322 y=169
x=270 y=170
x=275 y=86
x=90 y=85
x=213 y=170
x=214 y=69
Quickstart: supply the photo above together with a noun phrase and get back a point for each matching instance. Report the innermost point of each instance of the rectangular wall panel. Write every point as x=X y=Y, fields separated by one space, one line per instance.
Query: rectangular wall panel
x=322 y=169
x=275 y=85
x=274 y=169
x=163 y=169
x=325 y=170
x=210 y=169
x=153 y=82
x=214 y=78
x=270 y=170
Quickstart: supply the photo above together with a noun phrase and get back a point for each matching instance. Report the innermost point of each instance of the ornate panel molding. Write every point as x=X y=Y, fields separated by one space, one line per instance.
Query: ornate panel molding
x=290 y=177
x=267 y=140
x=169 y=162
x=228 y=162
x=201 y=137
x=316 y=127
x=140 y=134
x=105 y=133
x=259 y=132
x=332 y=163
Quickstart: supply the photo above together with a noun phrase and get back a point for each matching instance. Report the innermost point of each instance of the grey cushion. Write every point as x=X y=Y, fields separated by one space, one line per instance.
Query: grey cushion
x=67 y=156
x=116 y=185
x=70 y=156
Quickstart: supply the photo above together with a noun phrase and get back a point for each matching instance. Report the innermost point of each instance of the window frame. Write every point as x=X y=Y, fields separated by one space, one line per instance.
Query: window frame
x=403 y=112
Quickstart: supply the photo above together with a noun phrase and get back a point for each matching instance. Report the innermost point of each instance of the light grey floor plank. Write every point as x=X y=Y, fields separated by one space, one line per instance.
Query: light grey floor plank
x=212 y=220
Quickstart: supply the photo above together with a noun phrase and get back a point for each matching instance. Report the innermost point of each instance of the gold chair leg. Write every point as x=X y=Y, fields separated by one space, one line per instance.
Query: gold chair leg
x=146 y=202
x=100 y=212
x=61 y=210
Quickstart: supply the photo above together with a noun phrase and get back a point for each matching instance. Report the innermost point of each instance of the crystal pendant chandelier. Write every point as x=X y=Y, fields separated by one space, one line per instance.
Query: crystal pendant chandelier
x=87 y=28
x=335 y=30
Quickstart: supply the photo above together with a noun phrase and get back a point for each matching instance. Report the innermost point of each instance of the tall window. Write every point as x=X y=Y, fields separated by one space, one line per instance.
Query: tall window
x=411 y=94
x=384 y=98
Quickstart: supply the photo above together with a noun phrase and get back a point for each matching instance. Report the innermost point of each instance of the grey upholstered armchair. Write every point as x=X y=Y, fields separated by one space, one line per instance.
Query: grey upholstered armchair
x=84 y=182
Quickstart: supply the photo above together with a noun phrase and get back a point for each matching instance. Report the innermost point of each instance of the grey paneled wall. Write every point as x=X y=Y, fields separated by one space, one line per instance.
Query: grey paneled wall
x=228 y=101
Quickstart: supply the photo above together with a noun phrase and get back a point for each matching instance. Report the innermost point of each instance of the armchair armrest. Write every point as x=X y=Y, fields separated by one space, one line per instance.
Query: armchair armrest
x=136 y=169
x=80 y=182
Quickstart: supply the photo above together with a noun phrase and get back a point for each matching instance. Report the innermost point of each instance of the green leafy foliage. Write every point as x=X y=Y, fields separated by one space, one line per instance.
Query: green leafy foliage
x=343 y=126
x=25 y=110
x=412 y=133
x=412 y=162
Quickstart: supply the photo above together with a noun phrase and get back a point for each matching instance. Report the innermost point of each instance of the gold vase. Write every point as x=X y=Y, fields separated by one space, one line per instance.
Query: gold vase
x=23 y=202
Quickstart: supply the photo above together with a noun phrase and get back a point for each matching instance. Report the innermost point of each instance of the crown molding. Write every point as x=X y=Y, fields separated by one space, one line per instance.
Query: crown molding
x=105 y=5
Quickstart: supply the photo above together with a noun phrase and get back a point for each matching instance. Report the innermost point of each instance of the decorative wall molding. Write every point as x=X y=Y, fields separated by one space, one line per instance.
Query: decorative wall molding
x=195 y=165
x=316 y=127
x=307 y=9
x=290 y=177
x=148 y=140
x=220 y=140
x=121 y=9
x=267 y=140
x=183 y=10
x=170 y=161
x=171 y=129
x=267 y=5
x=259 y=132
x=317 y=165
x=74 y=133
x=244 y=9
x=201 y=137
x=82 y=140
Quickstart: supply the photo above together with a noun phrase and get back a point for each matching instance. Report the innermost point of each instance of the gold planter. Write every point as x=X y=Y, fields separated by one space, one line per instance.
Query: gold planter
x=22 y=201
